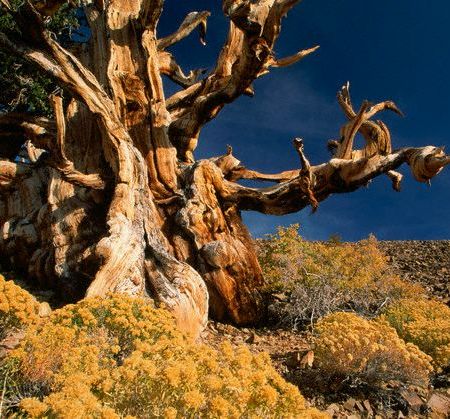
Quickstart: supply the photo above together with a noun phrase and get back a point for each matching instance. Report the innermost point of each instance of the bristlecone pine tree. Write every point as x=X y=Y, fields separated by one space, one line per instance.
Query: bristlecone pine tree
x=112 y=199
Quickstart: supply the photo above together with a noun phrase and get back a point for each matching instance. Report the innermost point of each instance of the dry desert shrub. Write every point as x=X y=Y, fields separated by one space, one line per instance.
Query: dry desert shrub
x=426 y=323
x=319 y=278
x=350 y=348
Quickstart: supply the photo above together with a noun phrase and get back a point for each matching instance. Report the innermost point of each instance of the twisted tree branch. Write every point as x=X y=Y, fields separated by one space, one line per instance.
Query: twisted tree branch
x=336 y=176
x=59 y=159
x=376 y=133
x=347 y=171
x=190 y=22
x=247 y=55
x=170 y=68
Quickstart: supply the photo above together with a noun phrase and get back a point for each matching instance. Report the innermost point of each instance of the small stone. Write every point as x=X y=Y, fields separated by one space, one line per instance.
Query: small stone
x=11 y=341
x=229 y=329
x=349 y=404
x=44 y=309
x=367 y=406
x=253 y=338
x=307 y=360
x=439 y=403
x=360 y=406
x=412 y=399
x=332 y=409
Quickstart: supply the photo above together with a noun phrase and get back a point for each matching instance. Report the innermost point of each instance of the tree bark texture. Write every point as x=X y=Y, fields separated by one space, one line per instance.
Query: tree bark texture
x=111 y=198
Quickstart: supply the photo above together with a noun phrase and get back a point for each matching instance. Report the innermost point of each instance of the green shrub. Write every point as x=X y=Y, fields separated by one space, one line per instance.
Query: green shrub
x=24 y=87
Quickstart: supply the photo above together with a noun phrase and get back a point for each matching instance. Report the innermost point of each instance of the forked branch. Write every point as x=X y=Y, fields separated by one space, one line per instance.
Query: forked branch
x=306 y=176
x=336 y=176
x=170 y=68
x=376 y=134
x=347 y=171
x=246 y=55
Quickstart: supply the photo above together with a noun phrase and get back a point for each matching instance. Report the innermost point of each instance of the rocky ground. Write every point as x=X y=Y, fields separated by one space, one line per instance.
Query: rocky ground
x=292 y=356
x=423 y=262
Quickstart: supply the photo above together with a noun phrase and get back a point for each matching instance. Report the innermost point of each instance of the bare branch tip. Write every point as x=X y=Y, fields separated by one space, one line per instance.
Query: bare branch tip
x=286 y=61
x=298 y=143
x=394 y=108
x=6 y=4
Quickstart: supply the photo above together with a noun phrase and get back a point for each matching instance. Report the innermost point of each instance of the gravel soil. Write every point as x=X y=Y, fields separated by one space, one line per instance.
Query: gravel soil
x=423 y=262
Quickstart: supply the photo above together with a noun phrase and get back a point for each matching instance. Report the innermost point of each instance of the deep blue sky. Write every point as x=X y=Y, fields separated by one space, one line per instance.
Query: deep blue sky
x=397 y=50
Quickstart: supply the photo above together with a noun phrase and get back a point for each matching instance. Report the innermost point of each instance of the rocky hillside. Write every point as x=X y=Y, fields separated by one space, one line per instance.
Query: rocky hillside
x=424 y=261
x=292 y=352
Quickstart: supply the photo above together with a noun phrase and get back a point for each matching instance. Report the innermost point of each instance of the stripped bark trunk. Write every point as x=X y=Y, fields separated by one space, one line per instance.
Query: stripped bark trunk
x=112 y=199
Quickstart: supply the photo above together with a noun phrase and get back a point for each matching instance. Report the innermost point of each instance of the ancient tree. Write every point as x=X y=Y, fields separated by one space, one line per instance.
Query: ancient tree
x=110 y=197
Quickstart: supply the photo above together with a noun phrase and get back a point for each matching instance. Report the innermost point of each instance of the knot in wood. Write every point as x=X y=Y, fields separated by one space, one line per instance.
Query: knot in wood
x=218 y=254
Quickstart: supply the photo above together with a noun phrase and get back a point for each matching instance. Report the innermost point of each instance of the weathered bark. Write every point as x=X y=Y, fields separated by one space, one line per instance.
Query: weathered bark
x=112 y=199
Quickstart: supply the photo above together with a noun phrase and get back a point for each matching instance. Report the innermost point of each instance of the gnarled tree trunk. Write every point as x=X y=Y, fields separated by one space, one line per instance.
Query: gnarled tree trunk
x=112 y=199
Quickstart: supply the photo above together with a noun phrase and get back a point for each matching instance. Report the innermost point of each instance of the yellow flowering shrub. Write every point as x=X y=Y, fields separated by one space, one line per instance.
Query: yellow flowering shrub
x=323 y=277
x=197 y=381
x=17 y=307
x=121 y=357
x=426 y=323
x=348 y=347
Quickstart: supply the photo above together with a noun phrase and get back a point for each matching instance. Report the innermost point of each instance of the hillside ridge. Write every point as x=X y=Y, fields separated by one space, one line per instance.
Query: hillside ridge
x=426 y=262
